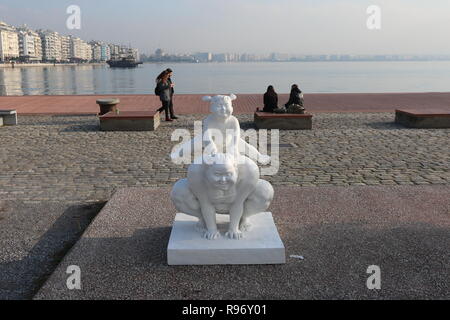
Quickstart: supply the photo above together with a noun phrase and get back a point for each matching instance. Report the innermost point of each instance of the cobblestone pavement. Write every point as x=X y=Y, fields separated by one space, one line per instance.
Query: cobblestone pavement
x=67 y=158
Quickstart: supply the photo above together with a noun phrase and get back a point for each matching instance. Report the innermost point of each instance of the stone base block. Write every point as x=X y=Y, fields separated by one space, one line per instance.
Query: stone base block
x=260 y=245
x=424 y=119
x=283 y=121
x=130 y=121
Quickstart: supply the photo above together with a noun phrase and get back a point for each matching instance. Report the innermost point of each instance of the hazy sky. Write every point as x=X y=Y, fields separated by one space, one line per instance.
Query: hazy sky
x=254 y=26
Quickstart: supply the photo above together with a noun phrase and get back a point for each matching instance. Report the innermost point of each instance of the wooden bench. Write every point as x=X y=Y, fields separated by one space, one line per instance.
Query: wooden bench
x=8 y=117
x=283 y=121
x=130 y=121
x=424 y=119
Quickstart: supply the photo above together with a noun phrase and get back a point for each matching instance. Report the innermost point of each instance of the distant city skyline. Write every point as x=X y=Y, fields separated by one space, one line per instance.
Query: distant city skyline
x=25 y=45
x=22 y=44
x=251 y=26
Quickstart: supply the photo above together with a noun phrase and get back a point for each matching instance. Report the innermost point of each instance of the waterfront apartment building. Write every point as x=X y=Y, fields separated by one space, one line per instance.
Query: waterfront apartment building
x=30 y=45
x=105 y=53
x=65 y=48
x=27 y=45
x=96 y=52
x=80 y=50
x=87 y=51
x=9 y=42
x=114 y=50
x=51 y=45
x=101 y=51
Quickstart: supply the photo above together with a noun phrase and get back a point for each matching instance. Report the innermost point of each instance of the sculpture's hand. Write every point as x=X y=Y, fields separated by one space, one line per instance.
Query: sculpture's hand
x=211 y=235
x=234 y=234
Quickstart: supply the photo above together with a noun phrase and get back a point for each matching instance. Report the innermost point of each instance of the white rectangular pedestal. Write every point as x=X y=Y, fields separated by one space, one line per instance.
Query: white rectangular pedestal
x=260 y=245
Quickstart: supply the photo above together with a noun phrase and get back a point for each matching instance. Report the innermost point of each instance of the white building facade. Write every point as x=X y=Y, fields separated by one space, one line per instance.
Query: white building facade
x=30 y=45
x=51 y=46
x=9 y=42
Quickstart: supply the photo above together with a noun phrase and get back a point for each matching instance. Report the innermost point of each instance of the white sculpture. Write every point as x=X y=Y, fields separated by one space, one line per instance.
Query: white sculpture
x=221 y=124
x=225 y=181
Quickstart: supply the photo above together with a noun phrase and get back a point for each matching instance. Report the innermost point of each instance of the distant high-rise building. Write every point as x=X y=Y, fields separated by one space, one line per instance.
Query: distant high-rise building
x=105 y=53
x=220 y=57
x=76 y=49
x=114 y=51
x=51 y=45
x=101 y=52
x=80 y=50
x=87 y=51
x=203 y=56
x=65 y=48
x=159 y=53
x=9 y=42
x=30 y=45
x=96 y=51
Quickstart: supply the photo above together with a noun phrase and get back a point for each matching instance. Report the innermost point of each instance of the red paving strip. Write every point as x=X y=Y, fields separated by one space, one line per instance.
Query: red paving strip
x=245 y=104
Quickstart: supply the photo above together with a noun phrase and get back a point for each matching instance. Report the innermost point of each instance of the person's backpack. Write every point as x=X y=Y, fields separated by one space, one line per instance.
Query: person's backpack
x=157 y=91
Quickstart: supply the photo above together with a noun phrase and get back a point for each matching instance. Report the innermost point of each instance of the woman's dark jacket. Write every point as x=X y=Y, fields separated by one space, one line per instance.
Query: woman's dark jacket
x=172 y=90
x=295 y=98
x=164 y=90
x=270 y=102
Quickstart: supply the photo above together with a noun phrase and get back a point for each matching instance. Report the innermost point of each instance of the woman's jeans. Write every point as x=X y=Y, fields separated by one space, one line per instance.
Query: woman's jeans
x=167 y=106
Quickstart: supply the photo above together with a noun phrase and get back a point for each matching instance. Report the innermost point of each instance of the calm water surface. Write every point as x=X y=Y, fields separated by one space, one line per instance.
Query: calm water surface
x=231 y=78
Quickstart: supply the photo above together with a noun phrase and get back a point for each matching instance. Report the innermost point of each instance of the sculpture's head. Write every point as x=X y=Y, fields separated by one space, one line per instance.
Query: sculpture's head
x=221 y=106
x=221 y=171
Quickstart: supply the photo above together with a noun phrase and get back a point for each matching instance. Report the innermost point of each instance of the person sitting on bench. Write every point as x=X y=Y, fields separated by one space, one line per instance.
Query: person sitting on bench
x=296 y=96
x=270 y=100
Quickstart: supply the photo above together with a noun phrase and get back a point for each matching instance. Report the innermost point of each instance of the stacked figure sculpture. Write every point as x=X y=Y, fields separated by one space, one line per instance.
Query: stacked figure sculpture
x=223 y=179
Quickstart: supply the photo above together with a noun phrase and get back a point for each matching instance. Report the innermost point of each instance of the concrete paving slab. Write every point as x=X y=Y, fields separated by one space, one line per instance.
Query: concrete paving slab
x=340 y=232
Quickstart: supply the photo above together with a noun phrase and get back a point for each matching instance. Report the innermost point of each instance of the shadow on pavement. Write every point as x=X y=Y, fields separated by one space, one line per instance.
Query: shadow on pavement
x=21 y=279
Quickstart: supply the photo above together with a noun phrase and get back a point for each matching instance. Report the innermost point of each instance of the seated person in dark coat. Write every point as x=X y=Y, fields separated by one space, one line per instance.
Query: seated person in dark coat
x=296 y=96
x=270 y=100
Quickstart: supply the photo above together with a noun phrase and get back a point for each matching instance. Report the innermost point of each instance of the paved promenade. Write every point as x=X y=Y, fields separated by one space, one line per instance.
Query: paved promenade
x=246 y=103
x=68 y=158
x=57 y=171
x=339 y=231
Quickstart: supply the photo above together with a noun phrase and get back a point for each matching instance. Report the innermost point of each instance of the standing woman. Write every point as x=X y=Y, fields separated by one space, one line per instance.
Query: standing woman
x=270 y=100
x=172 y=91
x=164 y=87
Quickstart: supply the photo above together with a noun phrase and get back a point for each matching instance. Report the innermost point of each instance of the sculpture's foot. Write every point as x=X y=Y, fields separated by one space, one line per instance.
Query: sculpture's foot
x=201 y=226
x=211 y=235
x=234 y=235
x=245 y=225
